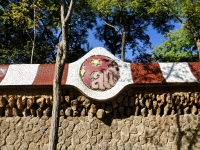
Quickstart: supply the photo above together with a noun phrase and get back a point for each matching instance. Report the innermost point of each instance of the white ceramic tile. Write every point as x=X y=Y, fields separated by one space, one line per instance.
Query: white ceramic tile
x=21 y=74
x=177 y=72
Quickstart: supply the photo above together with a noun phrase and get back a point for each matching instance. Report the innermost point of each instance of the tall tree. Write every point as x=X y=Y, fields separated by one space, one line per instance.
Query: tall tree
x=17 y=30
x=19 y=27
x=62 y=50
x=185 y=12
x=126 y=22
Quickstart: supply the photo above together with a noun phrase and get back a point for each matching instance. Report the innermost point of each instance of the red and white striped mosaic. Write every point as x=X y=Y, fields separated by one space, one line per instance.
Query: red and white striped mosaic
x=100 y=75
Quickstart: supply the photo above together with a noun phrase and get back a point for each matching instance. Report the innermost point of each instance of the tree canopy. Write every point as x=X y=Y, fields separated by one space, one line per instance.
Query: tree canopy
x=17 y=30
x=178 y=47
x=182 y=44
x=125 y=24
x=120 y=24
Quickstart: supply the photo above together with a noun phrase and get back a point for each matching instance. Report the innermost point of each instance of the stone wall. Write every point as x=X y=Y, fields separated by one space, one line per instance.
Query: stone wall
x=131 y=120
x=135 y=132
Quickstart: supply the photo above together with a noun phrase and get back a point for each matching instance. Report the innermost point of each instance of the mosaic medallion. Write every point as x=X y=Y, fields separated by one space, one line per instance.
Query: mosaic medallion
x=99 y=73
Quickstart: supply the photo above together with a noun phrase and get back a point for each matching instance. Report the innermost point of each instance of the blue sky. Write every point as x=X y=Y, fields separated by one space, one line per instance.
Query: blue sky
x=155 y=38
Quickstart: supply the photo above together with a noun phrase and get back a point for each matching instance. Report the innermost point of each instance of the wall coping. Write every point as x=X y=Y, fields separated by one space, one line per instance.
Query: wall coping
x=100 y=75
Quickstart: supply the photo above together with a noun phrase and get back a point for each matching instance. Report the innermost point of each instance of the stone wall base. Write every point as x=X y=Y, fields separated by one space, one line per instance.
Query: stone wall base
x=134 y=132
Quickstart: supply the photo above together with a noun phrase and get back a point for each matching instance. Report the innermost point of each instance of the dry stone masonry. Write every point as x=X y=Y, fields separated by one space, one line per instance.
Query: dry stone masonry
x=130 y=121
x=124 y=105
x=86 y=133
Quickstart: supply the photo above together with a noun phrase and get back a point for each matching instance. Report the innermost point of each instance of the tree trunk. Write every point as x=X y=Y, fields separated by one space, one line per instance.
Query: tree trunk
x=123 y=44
x=198 y=46
x=59 y=67
x=123 y=33
x=34 y=34
x=53 y=137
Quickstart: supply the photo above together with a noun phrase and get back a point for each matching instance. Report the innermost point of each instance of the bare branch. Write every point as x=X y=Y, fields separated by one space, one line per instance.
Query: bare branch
x=117 y=30
x=62 y=10
x=69 y=11
x=109 y=24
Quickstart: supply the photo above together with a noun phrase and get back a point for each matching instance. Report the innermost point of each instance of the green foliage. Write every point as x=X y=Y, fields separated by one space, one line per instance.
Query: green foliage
x=16 y=30
x=133 y=16
x=182 y=44
x=178 y=47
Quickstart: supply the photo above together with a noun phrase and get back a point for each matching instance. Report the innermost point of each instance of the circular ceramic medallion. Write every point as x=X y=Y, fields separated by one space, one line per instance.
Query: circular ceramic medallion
x=99 y=72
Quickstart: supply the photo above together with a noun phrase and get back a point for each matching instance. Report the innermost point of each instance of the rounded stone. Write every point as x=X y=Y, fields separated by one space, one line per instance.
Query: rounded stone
x=87 y=103
x=140 y=129
x=150 y=132
x=120 y=98
x=121 y=111
x=100 y=113
x=125 y=134
x=113 y=126
x=132 y=101
x=163 y=137
x=24 y=145
x=11 y=138
x=133 y=130
x=126 y=101
x=10 y=147
x=74 y=104
x=145 y=122
x=80 y=146
x=137 y=147
x=28 y=136
x=134 y=139
x=33 y=146
x=4 y=125
x=143 y=140
x=113 y=145
x=93 y=140
x=137 y=120
x=171 y=136
x=128 y=146
x=93 y=109
x=121 y=124
x=71 y=126
x=37 y=136
x=2 y=141
x=75 y=113
x=107 y=135
x=114 y=104
x=152 y=124
x=2 y=101
x=116 y=135
x=155 y=140
x=75 y=139
x=81 y=133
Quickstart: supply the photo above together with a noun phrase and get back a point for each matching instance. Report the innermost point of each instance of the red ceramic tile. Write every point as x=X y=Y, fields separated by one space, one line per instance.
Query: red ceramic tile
x=195 y=69
x=147 y=73
x=65 y=73
x=3 y=71
x=99 y=72
x=44 y=75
